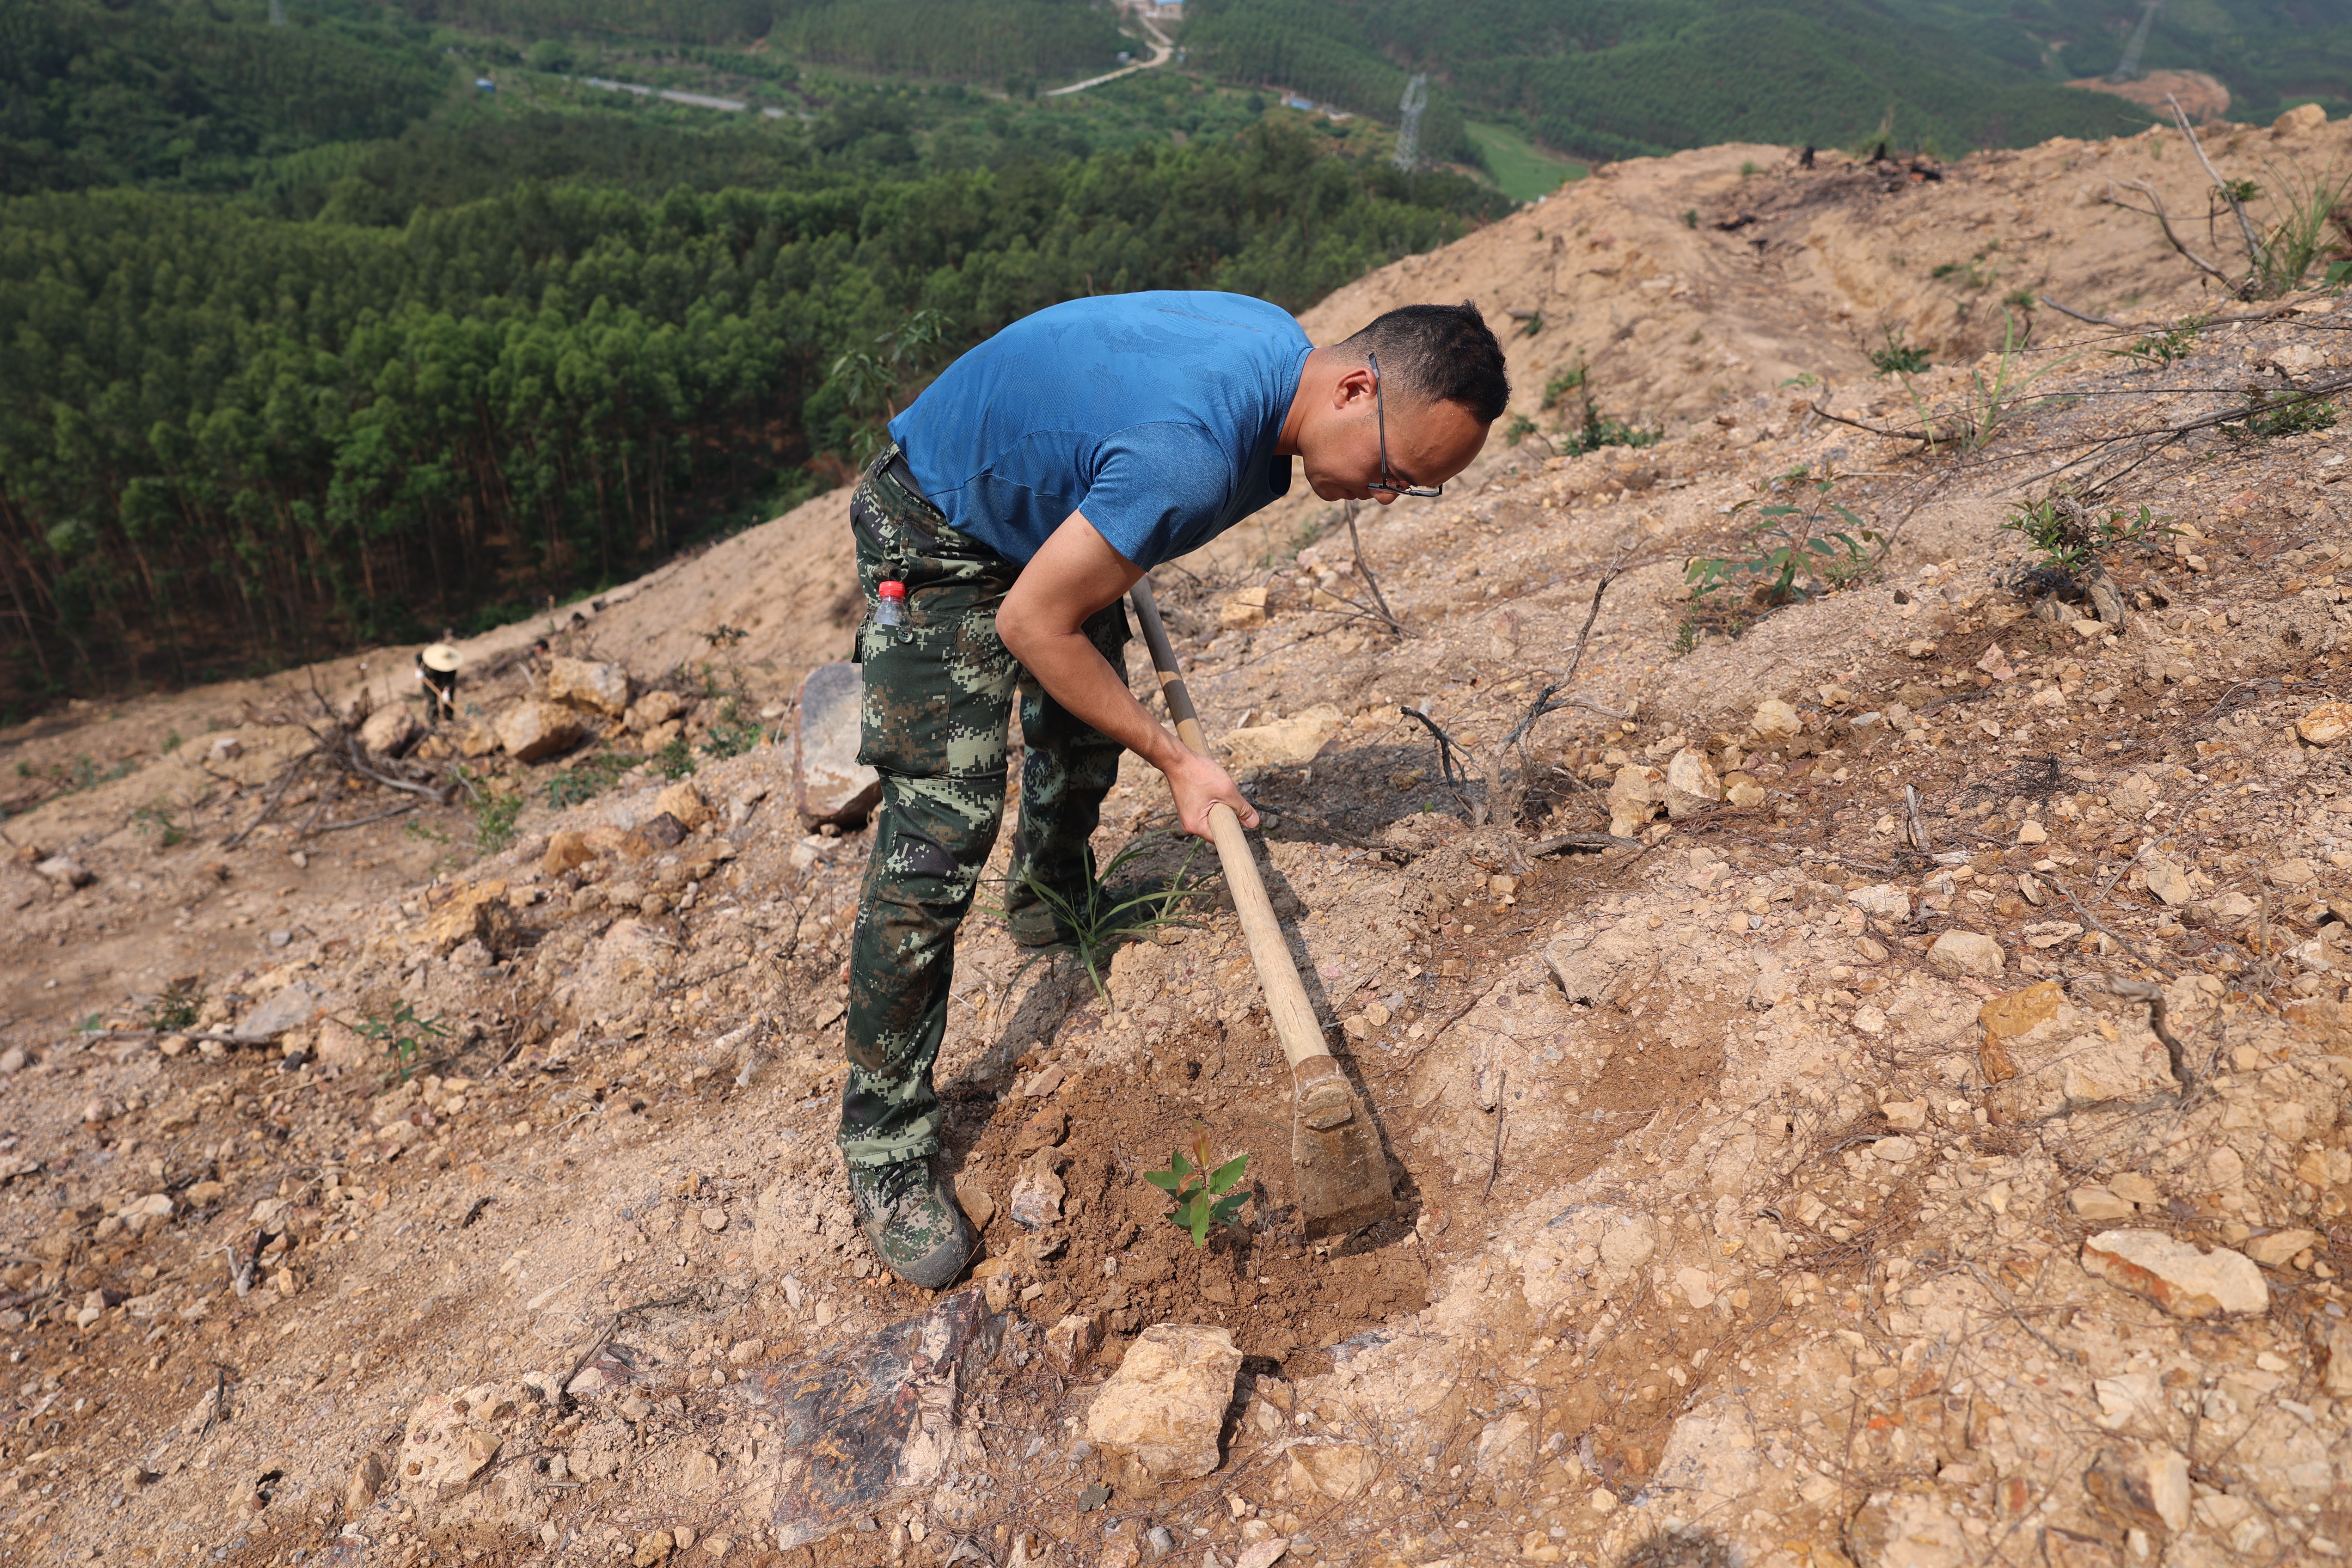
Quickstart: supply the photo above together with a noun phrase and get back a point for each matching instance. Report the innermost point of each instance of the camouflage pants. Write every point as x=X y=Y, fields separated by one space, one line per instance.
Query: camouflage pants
x=938 y=693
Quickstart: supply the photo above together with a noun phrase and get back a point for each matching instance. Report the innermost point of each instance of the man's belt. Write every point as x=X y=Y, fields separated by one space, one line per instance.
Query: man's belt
x=929 y=521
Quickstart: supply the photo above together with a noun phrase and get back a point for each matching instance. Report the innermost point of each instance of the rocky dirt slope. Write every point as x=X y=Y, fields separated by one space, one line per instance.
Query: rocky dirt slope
x=1915 y=1139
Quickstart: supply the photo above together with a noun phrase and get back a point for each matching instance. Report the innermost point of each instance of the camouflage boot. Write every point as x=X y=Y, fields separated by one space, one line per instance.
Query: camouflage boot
x=913 y=1222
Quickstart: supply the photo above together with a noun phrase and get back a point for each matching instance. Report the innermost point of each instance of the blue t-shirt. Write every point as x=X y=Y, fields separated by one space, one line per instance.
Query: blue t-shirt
x=1157 y=414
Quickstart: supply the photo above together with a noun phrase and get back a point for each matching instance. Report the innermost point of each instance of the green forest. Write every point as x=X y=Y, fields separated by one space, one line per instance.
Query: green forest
x=1619 y=79
x=285 y=384
x=1628 y=77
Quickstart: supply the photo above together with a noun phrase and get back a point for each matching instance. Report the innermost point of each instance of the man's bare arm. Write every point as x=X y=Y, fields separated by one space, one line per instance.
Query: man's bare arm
x=1075 y=574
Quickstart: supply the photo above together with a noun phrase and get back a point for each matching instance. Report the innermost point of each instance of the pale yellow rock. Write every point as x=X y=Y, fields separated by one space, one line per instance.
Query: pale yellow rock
x=2133 y=1187
x=1635 y=798
x=1691 y=783
x=1335 y=1470
x=1744 y=793
x=1286 y=742
x=1774 y=719
x=683 y=802
x=1959 y=952
x=2326 y=724
x=584 y=683
x=2301 y=121
x=1244 y=611
x=2032 y=832
x=532 y=731
x=2168 y=882
x=449 y=1440
x=2337 y=1377
x=2097 y=1203
x=2180 y=1277
x=1166 y=1404
x=653 y=709
x=2297 y=873
x=2005 y=1018
x=1904 y=1115
x=2274 y=1250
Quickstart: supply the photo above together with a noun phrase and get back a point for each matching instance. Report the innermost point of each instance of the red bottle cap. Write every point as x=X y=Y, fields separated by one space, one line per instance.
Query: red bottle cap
x=892 y=588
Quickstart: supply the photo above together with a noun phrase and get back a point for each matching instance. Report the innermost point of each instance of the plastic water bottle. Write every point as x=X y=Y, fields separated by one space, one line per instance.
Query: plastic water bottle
x=891 y=608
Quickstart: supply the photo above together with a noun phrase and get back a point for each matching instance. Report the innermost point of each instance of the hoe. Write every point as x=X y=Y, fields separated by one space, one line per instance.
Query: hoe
x=1337 y=1165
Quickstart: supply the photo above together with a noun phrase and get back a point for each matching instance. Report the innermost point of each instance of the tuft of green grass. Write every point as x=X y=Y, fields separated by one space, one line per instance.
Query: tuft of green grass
x=1556 y=389
x=158 y=821
x=2160 y=349
x=2271 y=415
x=1101 y=917
x=586 y=779
x=176 y=1008
x=495 y=816
x=675 y=760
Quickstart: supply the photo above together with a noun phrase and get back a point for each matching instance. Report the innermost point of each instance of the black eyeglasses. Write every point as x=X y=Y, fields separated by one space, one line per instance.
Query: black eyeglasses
x=1380 y=413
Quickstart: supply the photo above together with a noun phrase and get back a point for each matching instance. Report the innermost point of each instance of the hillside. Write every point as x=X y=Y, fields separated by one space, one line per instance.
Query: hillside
x=1907 y=1129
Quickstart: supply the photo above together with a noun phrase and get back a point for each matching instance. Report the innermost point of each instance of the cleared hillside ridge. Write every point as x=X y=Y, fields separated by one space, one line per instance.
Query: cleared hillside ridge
x=1916 y=1138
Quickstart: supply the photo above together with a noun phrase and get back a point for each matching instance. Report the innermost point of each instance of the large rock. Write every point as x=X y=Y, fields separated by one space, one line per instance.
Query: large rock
x=1635 y=798
x=2019 y=1012
x=1959 y=952
x=1691 y=783
x=65 y=870
x=2168 y=881
x=389 y=731
x=598 y=688
x=2326 y=724
x=684 y=804
x=532 y=731
x=2178 y=1276
x=1775 y=719
x=653 y=709
x=1335 y=1470
x=451 y=1439
x=1882 y=899
x=292 y=1008
x=478 y=911
x=829 y=783
x=1285 y=743
x=1166 y=1404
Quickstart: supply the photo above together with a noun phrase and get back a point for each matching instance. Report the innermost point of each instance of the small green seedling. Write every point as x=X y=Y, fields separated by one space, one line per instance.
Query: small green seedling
x=1203 y=1197
x=2160 y=349
x=1898 y=358
x=2069 y=536
x=1788 y=542
x=403 y=1036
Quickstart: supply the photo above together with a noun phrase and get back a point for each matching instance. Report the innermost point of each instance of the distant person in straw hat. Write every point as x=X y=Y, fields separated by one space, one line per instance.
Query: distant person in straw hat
x=436 y=671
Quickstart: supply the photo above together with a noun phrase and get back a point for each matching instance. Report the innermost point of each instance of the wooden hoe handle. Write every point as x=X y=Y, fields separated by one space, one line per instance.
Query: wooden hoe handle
x=1294 y=1023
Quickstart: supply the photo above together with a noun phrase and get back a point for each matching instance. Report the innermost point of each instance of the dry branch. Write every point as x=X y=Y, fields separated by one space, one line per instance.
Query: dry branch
x=2154 y=209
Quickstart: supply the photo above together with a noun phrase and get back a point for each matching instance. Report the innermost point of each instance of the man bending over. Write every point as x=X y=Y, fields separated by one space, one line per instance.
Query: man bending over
x=1024 y=494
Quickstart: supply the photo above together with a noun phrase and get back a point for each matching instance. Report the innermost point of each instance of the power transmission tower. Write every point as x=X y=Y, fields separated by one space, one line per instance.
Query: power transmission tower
x=2127 y=68
x=1416 y=99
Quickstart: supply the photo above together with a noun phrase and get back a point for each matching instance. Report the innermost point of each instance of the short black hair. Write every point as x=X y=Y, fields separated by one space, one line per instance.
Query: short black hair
x=1444 y=354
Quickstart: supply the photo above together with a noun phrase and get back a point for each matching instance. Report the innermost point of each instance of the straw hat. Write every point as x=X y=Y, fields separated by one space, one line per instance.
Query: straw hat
x=440 y=657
